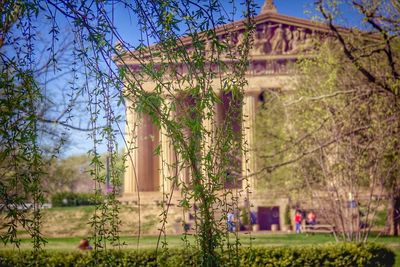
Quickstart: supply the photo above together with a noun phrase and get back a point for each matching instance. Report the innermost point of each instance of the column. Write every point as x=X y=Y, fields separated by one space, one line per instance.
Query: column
x=167 y=155
x=248 y=126
x=130 y=176
x=147 y=161
x=208 y=134
x=229 y=114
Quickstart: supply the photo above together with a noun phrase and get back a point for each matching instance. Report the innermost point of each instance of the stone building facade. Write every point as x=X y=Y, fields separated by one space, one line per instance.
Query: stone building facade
x=279 y=41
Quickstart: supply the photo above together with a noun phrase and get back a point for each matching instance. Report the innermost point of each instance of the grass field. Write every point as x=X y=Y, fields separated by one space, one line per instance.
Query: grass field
x=175 y=241
x=64 y=227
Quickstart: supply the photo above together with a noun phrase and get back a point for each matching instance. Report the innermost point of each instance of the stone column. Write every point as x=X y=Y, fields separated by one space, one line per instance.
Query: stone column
x=130 y=176
x=208 y=128
x=147 y=162
x=167 y=156
x=248 y=126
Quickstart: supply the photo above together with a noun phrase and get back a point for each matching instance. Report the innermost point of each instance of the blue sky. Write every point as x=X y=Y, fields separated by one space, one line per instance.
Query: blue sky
x=295 y=8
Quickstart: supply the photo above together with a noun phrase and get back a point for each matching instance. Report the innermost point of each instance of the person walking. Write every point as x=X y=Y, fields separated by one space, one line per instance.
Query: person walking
x=231 y=222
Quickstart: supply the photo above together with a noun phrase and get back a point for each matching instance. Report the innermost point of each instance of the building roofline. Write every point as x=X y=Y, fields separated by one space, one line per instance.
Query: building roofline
x=259 y=19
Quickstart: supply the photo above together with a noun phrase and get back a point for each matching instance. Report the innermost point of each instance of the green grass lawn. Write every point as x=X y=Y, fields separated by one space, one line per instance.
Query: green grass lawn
x=174 y=241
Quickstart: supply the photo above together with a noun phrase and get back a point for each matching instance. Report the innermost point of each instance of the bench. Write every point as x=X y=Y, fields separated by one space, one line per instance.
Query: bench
x=318 y=228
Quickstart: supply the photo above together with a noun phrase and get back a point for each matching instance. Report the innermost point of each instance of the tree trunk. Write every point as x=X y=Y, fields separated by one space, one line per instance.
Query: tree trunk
x=396 y=215
x=393 y=213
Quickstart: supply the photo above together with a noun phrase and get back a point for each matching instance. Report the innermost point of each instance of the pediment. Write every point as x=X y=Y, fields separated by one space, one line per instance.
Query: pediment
x=276 y=34
x=277 y=41
x=272 y=38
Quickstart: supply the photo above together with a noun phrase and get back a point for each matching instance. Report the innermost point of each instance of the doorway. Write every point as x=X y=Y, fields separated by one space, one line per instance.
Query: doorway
x=267 y=216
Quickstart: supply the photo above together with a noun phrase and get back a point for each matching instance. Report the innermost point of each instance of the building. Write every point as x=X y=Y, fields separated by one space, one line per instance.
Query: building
x=279 y=41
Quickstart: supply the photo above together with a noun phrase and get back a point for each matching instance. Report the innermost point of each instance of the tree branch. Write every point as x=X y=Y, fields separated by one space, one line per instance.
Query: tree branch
x=370 y=77
x=306 y=153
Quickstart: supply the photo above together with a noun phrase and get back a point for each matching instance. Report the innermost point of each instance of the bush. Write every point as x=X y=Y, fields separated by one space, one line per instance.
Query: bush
x=287 y=216
x=346 y=254
x=245 y=217
x=70 y=199
x=328 y=255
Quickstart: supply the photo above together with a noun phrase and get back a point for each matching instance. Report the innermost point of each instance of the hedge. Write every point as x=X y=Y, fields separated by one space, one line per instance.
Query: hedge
x=69 y=199
x=369 y=255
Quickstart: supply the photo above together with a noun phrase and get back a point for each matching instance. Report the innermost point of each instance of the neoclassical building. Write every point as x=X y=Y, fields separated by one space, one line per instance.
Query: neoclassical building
x=279 y=41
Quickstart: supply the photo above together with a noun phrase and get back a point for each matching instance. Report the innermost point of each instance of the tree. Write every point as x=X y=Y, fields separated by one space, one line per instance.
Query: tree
x=164 y=23
x=66 y=174
x=71 y=174
x=342 y=132
x=381 y=19
x=273 y=139
x=34 y=113
x=377 y=61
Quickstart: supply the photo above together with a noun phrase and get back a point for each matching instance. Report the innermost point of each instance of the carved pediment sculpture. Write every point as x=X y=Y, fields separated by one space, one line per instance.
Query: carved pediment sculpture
x=279 y=39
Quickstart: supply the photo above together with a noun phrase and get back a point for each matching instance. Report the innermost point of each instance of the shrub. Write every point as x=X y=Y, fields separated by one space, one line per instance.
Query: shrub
x=346 y=254
x=69 y=199
x=245 y=217
x=287 y=216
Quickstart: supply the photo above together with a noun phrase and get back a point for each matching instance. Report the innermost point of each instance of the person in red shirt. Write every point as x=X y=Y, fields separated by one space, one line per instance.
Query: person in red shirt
x=84 y=245
x=297 y=220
